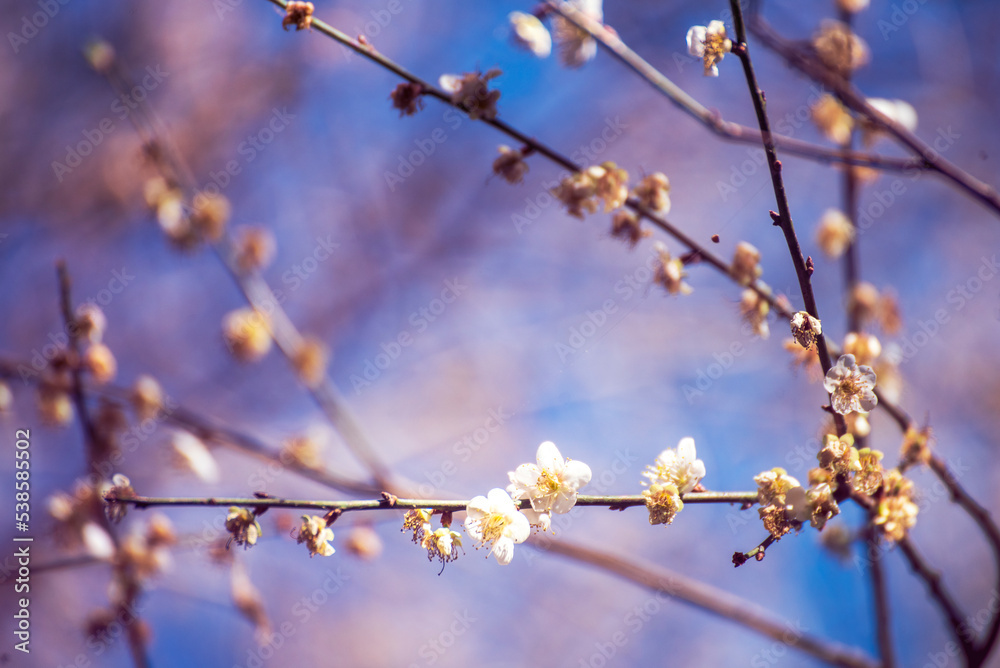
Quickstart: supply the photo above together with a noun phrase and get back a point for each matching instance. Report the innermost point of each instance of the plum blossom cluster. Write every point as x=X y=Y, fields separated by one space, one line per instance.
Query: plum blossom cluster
x=843 y=470
x=442 y=543
x=676 y=471
x=549 y=486
x=575 y=46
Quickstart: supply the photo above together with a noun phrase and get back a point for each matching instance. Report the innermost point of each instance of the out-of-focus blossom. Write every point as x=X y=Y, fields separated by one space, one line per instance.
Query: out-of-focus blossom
x=670 y=272
x=832 y=119
x=575 y=46
x=298 y=14
x=193 y=455
x=839 y=48
x=530 y=33
x=653 y=192
x=835 y=233
x=510 y=165
x=408 y=98
x=471 y=91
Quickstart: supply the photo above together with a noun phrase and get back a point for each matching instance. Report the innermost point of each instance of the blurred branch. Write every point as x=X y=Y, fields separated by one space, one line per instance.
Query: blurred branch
x=256 y=291
x=989 y=528
x=96 y=452
x=711 y=119
x=715 y=601
x=804 y=62
x=880 y=597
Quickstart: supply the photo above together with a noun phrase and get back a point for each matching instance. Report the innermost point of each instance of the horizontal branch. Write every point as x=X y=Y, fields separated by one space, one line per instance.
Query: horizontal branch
x=393 y=503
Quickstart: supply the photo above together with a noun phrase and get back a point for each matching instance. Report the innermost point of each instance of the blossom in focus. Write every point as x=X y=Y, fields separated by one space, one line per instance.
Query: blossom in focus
x=805 y=328
x=663 y=501
x=242 y=526
x=316 y=535
x=851 y=386
x=529 y=33
x=551 y=484
x=494 y=520
x=407 y=98
x=677 y=466
x=193 y=455
x=710 y=44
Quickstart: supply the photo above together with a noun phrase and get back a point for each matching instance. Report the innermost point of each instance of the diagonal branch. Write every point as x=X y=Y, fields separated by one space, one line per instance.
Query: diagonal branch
x=715 y=601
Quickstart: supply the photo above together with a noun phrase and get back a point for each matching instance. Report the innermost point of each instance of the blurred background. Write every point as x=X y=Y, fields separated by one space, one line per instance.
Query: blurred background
x=369 y=236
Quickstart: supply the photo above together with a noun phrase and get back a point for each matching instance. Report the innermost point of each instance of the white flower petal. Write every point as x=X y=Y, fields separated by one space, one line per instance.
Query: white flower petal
x=576 y=474
x=696 y=41
x=549 y=457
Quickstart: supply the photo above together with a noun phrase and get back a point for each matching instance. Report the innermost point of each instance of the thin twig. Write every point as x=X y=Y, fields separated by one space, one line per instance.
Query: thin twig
x=615 y=502
x=711 y=119
x=880 y=599
x=783 y=219
x=986 y=524
x=715 y=601
x=853 y=98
